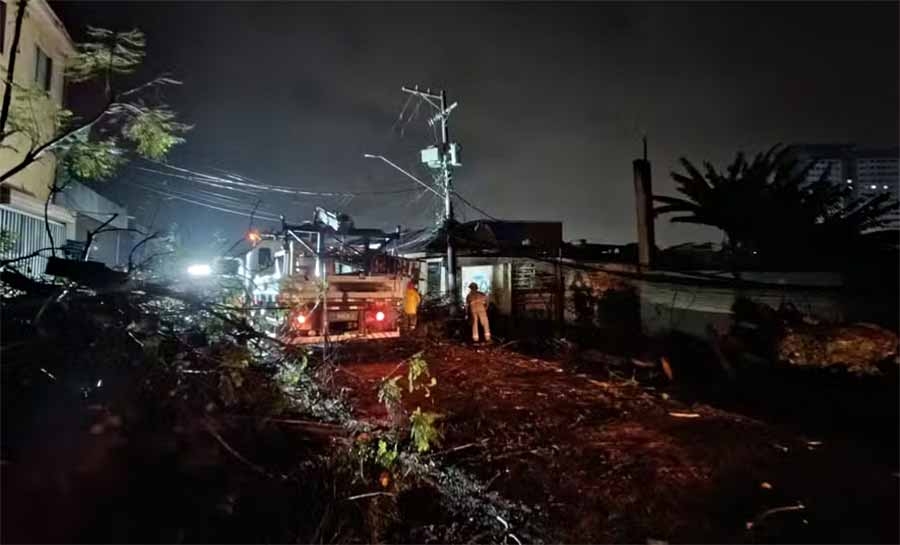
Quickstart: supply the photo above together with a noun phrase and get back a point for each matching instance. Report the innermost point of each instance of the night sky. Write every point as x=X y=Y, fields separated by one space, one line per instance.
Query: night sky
x=553 y=98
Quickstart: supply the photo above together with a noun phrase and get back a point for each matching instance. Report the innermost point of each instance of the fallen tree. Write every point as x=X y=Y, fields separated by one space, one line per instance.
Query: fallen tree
x=118 y=397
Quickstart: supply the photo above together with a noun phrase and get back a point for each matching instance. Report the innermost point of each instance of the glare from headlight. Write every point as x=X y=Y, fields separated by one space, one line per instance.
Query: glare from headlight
x=199 y=270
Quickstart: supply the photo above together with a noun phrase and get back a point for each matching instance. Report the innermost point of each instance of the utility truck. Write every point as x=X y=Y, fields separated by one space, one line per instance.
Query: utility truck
x=327 y=280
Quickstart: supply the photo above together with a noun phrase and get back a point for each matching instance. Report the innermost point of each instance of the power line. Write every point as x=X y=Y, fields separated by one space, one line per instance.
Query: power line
x=402 y=111
x=473 y=207
x=196 y=193
x=201 y=177
x=203 y=204
x=248 y=186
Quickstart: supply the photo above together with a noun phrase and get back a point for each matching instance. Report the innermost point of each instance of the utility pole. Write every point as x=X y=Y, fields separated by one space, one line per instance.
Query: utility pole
x=443 y=159
x=643 y=192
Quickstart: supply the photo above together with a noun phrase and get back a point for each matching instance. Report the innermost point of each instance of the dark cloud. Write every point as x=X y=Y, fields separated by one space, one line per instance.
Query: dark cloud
x=553 y=97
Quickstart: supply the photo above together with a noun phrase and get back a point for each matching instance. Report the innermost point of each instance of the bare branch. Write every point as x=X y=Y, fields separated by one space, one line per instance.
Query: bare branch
x=11 y=65
x=145 y=240
x=5 y=262
x=91 y=234
x=159 y=80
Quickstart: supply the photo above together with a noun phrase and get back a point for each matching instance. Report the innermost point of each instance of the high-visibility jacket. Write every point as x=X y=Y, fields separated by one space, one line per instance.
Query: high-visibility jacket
x=477 y=301
x=411 y=301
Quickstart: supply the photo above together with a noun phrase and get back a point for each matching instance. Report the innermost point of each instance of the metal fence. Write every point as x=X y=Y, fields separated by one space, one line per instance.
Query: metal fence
x=29 y=235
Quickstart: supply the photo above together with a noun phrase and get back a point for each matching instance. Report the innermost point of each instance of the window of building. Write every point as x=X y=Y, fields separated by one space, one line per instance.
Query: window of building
x=2 y=27
x=43 y=69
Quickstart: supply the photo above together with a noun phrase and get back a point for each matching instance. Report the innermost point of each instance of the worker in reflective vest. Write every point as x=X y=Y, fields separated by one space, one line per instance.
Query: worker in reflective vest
x=411 y=300
x=477 y=303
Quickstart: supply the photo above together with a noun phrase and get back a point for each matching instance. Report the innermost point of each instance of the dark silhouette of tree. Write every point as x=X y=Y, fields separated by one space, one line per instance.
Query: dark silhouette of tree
x=766 y=207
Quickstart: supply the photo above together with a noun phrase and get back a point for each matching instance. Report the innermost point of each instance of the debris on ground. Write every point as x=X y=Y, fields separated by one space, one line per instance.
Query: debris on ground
x=597 y=458
x=790 y=337
x=858 y=347
x=115 y=398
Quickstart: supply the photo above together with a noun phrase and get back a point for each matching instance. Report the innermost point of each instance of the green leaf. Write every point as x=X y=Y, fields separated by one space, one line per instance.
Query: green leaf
x=418 y=367
x=85 y=160
x=386 y=457
x=154 y=132
x=423 y=432
x=107 y=53
x=389 y=392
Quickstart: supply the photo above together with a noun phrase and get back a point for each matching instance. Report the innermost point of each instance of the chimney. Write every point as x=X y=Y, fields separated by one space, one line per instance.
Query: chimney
x=643 y=192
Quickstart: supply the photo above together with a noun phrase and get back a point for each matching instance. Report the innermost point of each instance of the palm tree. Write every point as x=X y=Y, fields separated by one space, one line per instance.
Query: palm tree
x=768 y=206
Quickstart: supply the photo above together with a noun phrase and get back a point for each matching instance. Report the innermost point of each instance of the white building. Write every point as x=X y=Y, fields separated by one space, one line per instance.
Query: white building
x=877 y=171
x=43 y=50
x=868 y=172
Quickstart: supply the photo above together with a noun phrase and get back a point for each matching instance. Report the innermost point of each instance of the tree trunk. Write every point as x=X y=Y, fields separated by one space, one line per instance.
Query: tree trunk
x=11 y=66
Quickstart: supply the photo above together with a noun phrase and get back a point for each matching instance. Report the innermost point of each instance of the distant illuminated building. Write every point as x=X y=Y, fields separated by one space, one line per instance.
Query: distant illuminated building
x=877 y=171
x=868 y=171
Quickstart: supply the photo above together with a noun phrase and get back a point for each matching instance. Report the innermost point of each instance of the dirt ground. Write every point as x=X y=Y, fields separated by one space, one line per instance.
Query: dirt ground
x=600 y=459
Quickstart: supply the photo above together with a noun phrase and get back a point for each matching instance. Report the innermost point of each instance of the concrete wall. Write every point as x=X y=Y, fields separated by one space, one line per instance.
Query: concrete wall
x=690 y=309
x=85 y=202
x=616 y=298
x=91 y=210
x=685 y=303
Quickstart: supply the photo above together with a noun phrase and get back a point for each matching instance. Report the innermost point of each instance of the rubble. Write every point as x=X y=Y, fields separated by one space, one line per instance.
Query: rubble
x=790 y=337
x=860 y=348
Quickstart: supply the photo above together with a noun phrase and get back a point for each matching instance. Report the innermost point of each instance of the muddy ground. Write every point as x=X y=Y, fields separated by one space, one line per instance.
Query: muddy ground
x=600 y=457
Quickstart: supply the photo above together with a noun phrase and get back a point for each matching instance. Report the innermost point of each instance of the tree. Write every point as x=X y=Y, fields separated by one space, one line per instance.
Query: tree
x=768 y=207
x=127 y=124
x=94 y=147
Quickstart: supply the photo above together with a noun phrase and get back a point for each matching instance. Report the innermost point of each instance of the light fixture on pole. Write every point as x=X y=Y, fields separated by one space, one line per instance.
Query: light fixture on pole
x=408 y=175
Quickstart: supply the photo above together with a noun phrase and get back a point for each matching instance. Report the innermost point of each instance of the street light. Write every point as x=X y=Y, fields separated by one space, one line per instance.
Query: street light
x=408 y=175
x=448 y=218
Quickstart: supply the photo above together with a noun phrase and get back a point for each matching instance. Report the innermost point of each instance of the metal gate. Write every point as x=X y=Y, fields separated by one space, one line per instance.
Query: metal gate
x=29 y=235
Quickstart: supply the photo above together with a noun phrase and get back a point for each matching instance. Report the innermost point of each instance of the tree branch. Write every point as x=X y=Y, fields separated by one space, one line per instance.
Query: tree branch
x=35 y=153
x=11 y=66
x=109 y=108
x=5 y=262
x=91 y=234
x=146 y=239
x=159 y=80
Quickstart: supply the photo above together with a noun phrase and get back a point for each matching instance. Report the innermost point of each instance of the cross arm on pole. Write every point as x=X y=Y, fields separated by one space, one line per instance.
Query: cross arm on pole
x=428 y=97
x=417 y=91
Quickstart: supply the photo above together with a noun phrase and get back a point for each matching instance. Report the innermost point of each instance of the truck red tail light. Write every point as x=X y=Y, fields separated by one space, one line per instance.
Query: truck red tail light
x=379 y=316
x=301 y=319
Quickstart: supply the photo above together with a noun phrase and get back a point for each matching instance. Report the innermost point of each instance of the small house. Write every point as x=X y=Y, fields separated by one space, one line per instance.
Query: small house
x=514 y=262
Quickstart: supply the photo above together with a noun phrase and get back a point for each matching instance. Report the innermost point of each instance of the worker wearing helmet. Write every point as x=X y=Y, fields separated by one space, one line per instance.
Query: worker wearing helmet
x=477 y=303
x=411 y=300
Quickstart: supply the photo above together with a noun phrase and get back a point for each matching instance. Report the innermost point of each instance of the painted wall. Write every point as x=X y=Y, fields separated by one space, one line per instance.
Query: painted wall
x=40 y=28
